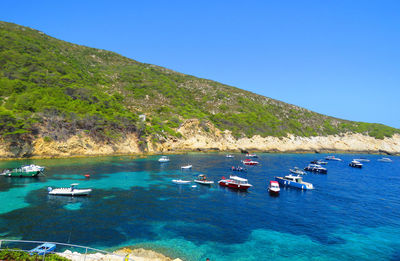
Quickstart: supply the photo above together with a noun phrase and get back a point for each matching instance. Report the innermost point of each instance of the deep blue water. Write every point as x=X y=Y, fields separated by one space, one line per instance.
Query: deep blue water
x=353 y=214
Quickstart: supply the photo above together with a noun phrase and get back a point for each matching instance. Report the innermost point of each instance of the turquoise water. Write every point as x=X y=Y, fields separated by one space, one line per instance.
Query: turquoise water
x=353 y=214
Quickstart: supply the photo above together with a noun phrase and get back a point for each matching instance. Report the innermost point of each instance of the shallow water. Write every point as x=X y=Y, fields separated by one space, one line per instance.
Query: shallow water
x=353 y=214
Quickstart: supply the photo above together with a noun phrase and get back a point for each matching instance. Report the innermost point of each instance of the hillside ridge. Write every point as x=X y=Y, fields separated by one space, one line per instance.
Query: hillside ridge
x=52 y=90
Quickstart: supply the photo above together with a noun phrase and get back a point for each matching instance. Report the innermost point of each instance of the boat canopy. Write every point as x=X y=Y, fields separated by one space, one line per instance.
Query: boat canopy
x=238 y=178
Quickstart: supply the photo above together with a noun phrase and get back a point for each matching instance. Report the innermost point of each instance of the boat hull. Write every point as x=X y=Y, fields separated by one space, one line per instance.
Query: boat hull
x=202 y=182
x=75 y=193
x=293 y=184
x=225 y=183
x=321 y=171
x=22 y=173
x=297 y=172
x=273 y=191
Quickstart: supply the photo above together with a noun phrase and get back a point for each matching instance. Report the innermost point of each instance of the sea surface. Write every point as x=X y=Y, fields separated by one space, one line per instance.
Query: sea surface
x=353 y=214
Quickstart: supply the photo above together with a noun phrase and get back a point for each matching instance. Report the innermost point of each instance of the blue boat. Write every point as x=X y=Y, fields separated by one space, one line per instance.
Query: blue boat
x=294 y=181
x=43 y=249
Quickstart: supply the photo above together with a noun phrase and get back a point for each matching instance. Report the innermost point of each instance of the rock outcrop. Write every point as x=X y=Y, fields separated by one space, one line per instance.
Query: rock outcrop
x=198 y=136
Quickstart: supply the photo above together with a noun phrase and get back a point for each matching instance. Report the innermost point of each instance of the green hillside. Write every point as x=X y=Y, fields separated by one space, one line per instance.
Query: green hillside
x=55 y=89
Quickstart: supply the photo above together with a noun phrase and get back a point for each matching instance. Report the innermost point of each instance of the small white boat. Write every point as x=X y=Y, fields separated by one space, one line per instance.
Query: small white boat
x=362 y=160
x=333 y=158
x=202 y=179
x=180 y=181
x=187 y=167
x=163 y=159
x=229 y=156
x=273 y=187
x=297 y=171
x=385 y=160
x=71 y=191
x=355 y=164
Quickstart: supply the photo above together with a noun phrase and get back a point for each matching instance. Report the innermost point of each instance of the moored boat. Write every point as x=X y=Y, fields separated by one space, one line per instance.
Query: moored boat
x=297 y=171
x=24 y=171
x=163 y=159
x=180 y=181
x=202 y=179
x=316 y=168
x=187 y=167
x=251 y=155
x=229 y=156
x=385 y=160
x=294 y=181
x=235 y=182
x=273 y=187
x=238 y=168
x=319 y=162
x=71 y=191
x=355 y=164
x=250 y=162
x=362 y=160
x=332 y=158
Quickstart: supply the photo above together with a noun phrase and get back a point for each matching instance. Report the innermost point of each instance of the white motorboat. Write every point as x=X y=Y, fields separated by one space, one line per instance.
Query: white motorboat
x=229 y=156
x=71 y=191
x=385 y=160
x=332 y=158
x=202 y=179
x=355 y=164
x=316 y=168
x=297 y=171
x=180 y=181
x=362 y=160
x=187 y=167
x=273 y=187
x=163 y=159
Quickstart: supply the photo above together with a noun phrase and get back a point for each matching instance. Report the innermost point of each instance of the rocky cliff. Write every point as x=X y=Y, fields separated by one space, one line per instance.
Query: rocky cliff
x=208 y=138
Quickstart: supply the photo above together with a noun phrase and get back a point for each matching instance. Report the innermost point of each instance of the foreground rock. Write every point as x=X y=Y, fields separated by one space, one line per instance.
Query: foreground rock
x=139 y=254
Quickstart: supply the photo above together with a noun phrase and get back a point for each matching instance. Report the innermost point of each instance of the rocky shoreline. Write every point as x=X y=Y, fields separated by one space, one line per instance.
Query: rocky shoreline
x=195 y=138
x=138 y=254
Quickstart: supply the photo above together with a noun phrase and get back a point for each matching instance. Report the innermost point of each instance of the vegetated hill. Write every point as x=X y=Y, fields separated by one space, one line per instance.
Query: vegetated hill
x=54 y=89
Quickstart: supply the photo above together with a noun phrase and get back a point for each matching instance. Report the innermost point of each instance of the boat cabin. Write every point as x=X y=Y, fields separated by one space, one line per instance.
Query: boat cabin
x=297 y=179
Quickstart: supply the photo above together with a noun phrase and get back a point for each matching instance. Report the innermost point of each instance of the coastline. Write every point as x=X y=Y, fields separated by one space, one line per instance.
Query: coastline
x=195 y=139
x=177 y=152
x=136 y=254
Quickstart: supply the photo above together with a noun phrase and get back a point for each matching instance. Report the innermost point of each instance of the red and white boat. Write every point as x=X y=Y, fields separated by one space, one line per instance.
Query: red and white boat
x=235 y=182
x=273 y=187
x=250 y=162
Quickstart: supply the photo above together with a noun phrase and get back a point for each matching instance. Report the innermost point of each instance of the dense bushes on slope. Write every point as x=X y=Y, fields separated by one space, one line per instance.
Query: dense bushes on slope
x=52 y=88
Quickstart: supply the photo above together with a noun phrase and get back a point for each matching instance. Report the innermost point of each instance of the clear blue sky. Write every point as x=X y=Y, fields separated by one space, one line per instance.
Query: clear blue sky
x=340 y=58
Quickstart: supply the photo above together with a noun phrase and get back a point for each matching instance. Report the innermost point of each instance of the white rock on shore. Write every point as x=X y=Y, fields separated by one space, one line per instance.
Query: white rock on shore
x=139 y=254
